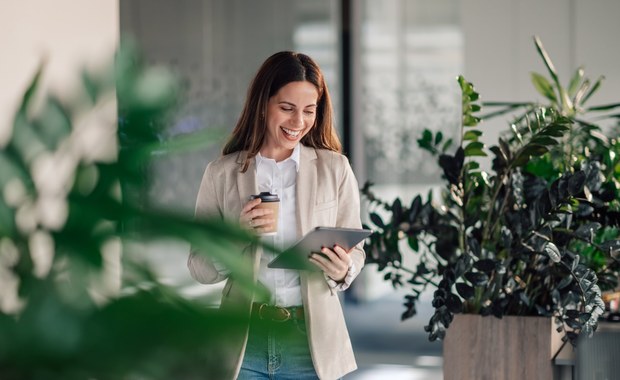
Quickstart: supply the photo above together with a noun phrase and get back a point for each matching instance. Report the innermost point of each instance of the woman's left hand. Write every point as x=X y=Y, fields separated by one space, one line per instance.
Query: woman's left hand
x=335 y=263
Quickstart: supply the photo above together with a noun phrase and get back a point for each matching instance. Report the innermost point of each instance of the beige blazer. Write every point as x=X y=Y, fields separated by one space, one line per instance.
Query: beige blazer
x=327 y=195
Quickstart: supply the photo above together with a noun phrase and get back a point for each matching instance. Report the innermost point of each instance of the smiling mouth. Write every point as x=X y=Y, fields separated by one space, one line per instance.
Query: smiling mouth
x=290 y=132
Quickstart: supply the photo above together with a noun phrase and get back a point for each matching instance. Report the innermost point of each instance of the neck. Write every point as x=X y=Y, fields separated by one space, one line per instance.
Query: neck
x=277 y=154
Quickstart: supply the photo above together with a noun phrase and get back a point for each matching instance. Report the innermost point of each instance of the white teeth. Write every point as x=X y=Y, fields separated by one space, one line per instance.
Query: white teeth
x=291 y=132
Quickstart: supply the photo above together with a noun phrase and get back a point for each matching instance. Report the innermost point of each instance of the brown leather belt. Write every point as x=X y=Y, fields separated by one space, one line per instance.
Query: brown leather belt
x=272 y=313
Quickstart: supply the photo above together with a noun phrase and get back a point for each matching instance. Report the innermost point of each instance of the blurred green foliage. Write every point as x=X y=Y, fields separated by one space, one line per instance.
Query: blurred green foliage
x=74 y=177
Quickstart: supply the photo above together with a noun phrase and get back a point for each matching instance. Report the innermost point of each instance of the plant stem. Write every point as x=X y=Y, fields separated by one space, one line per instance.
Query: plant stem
x=487 y=229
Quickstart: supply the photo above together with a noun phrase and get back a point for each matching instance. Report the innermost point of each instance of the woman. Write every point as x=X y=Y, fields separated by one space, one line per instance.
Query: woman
x=285 y=143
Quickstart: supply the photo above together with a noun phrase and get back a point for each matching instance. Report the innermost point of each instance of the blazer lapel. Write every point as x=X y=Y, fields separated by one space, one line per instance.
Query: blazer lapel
x=306 y=188
x=246 y=182
x=306 y=195
x=246 y=186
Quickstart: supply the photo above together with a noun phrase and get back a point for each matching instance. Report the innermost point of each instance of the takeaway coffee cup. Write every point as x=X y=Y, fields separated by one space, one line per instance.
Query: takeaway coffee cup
x=272 y=202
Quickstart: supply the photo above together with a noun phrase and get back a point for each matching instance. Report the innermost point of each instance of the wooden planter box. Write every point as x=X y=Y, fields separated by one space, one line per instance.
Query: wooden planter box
x=511 y=348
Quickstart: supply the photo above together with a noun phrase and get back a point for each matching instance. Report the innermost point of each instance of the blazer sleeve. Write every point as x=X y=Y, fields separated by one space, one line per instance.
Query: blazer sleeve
x=349 y=211
x=202 y=268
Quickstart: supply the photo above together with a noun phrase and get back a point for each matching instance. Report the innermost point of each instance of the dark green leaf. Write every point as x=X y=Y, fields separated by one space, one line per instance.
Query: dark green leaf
x=438 y=137
x=474 y=148
x=544 y=140
x=427 y=136
x=446 y=145
x=553 y=252
x=454 y=303
x=567 y=280
x=451 y=167
x=413 y=243
x=611 y=245
x=376 y=219
x=462 y=265
x=587 y=231
x=605 y=107
x=477 y=278
x=416 y=205
x=397 y=209
x=593 y=90
x=465 y=290
x=474 y=248
x=575 y=263
x=556 y=130
x=576 y=183
x=485 y=265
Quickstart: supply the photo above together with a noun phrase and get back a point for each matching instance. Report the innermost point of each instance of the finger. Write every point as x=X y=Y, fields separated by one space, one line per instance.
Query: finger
x=337 y=259
x=253 y=218
x=259 y=222
x=333 y=265
x=245 y=218
x=250 y=205
x=319 y=261
x=342 y=253
x=258 y=212
x=339 y=263
x=328 y=269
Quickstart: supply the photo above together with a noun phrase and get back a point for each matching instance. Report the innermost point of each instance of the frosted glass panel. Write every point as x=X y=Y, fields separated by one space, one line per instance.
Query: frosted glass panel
x=410 y=54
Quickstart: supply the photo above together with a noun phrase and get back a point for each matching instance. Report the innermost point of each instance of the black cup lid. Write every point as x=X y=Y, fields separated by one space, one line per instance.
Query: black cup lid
x=266 y=196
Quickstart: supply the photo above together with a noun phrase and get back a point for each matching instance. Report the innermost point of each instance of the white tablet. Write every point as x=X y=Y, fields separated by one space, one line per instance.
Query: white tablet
x=296 y=257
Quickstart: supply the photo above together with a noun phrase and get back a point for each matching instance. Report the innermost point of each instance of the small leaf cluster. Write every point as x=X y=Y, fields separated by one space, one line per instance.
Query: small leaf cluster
x=537 y=234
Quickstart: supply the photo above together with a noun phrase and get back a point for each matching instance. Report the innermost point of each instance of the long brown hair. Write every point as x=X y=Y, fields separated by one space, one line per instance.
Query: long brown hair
x=276 y=72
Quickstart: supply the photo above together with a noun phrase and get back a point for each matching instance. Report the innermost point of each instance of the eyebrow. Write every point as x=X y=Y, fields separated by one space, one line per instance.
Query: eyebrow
x=294 y=105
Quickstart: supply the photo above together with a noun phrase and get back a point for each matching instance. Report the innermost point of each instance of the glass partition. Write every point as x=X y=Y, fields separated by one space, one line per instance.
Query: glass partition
x=410 y=53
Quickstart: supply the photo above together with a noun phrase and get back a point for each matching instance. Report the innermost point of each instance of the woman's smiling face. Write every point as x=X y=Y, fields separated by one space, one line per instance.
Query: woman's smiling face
x=290 y=115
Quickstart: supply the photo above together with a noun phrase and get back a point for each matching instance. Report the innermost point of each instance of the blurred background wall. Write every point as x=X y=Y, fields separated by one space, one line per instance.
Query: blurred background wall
x=66 y=35
x=390 y=65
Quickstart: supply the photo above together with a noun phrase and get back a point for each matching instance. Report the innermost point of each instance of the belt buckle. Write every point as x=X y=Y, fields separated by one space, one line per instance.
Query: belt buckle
x=285 y=311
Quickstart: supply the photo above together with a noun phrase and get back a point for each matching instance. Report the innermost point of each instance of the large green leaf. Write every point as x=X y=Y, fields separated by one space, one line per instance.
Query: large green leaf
x=475 y=148
x=472 y=134
x=575 y=81
x=593 y=89
x=544 y=87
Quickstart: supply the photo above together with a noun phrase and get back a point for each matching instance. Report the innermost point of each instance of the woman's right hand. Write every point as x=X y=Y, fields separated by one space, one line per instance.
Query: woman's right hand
x=257 y=219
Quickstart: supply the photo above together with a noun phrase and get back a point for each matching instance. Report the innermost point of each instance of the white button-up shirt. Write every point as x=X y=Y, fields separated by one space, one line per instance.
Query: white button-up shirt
x=280 y=178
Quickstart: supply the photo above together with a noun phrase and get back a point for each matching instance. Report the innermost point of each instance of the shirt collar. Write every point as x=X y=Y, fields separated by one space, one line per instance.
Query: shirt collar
x=295 y=157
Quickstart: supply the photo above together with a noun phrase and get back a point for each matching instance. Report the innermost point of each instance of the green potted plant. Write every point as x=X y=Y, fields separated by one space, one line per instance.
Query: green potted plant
x=537 y=234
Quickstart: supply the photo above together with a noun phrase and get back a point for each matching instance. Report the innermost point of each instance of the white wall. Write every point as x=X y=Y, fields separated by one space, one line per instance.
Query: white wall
x=67 y=34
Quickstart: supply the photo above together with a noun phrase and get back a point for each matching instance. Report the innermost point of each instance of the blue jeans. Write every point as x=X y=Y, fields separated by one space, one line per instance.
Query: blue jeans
x=277 y=351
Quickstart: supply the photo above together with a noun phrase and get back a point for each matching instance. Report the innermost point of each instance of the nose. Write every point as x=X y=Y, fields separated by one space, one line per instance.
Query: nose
x=297 y=119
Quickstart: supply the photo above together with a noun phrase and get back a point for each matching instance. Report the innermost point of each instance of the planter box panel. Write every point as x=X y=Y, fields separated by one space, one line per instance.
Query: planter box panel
x=488 y=348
